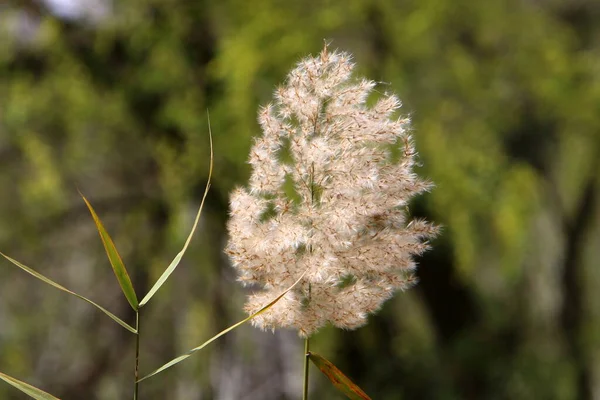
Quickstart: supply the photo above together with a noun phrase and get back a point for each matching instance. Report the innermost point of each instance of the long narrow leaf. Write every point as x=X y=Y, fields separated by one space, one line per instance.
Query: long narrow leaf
x=115 y=259
x=56 y=285
x=212 y=339
x=165 y=275
x=26 y=388
x=339 y=380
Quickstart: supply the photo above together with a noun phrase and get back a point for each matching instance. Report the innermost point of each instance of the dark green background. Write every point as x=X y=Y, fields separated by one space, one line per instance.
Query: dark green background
x=505 y=102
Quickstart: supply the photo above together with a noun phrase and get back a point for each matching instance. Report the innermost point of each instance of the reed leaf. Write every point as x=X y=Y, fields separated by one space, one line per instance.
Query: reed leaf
x=56 y=285
x=115 y=259
x=165 y=275
x=218 y=335
x=26 y=388
x=337 y=378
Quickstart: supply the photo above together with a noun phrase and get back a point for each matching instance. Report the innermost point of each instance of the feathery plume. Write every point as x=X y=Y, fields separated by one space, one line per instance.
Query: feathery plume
x=331 y=178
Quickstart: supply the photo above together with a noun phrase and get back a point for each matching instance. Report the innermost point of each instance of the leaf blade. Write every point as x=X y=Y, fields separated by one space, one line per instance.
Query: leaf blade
x=223 y=332
x=26 y=388
x=165 y=275
x=115 y=259
x=64 y=289
x=337 y=378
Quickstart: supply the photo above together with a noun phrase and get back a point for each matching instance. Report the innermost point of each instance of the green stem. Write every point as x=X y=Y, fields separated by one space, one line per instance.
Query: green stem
x=137 y=355
x=306 y=341
x=306 y=364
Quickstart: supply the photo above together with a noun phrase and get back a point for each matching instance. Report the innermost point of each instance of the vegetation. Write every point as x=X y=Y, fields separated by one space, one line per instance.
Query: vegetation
x=505 y=102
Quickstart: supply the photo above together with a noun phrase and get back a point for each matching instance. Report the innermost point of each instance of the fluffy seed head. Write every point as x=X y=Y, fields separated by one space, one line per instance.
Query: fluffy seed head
x=331 y=178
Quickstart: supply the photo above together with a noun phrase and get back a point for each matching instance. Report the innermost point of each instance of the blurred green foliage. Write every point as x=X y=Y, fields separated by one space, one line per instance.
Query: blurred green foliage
x=505 y=102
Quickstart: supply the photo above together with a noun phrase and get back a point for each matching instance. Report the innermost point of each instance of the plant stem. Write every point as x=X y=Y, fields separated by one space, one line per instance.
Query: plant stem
x=137 y=355
x=306 y=365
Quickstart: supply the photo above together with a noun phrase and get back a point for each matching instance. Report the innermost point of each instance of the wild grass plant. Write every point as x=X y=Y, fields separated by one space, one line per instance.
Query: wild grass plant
x=321 y=232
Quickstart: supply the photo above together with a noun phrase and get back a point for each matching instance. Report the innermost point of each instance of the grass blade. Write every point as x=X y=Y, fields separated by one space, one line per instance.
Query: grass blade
x=26 y=388
x=56 y=285
x=339 y=380
x=218 y=335
x=115 y=259
x=163 y=278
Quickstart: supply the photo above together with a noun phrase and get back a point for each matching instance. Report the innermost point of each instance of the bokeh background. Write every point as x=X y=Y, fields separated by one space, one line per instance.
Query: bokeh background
x=111 y=98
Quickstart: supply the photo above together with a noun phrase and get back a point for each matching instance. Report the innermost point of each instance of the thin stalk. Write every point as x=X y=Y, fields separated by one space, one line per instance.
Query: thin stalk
x=137 y=355
x=306 y=365
x=306 y=341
